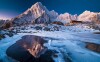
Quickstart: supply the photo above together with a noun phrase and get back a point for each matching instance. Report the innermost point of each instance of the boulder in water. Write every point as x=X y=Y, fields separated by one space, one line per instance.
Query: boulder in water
x=29 y=49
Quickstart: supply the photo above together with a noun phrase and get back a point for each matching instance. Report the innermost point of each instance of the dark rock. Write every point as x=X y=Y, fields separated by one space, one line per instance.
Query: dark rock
x=4 y=24
x=93 y=47
x=38 y=28
x=9 y=34
x=7 y=25
x=56 y=28
x=46 y=29
x=96 y=32
x=29 y=49
x=46 y=57
x=58 y=23
x=2 y=36
x=73 y=22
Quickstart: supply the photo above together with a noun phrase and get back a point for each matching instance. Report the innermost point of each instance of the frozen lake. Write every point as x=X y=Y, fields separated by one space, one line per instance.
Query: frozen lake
x=69 y=45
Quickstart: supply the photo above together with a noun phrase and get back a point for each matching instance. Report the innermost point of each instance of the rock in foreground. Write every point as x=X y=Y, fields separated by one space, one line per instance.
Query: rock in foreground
x=29 y=49
x=93 y=47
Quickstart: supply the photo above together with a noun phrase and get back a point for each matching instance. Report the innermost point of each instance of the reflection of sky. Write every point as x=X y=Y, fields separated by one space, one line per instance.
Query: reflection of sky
x=12 y=8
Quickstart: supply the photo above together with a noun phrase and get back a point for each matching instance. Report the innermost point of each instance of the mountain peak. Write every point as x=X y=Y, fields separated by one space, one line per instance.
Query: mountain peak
x=38 y=9
x=32 y=14
x=38 y=4
x=88 y=16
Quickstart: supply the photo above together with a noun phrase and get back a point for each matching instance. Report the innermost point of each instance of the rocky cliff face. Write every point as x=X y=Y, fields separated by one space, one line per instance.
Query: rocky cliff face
x=37 y=13
x=5 y=24
x=44 y=18
x=30 y=15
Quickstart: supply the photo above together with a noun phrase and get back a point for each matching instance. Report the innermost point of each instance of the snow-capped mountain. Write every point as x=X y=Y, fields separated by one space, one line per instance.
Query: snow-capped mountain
x=53 y=15
x=88 y=16
x=66 y=17
x=35 y=12
x=38 y=13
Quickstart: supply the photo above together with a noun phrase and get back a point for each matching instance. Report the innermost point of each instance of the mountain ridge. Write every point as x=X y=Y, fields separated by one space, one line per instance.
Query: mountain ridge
x=40 y=14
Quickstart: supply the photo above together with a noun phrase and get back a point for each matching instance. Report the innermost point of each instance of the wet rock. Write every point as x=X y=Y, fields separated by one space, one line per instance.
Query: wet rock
x=29 y=49
x=93 y=47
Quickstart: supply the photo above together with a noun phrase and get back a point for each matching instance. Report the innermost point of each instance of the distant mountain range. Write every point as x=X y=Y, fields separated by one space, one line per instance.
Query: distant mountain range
x=40 y=14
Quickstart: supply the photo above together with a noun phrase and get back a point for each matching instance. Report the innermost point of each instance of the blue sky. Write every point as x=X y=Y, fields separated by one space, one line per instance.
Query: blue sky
x=12 y=8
